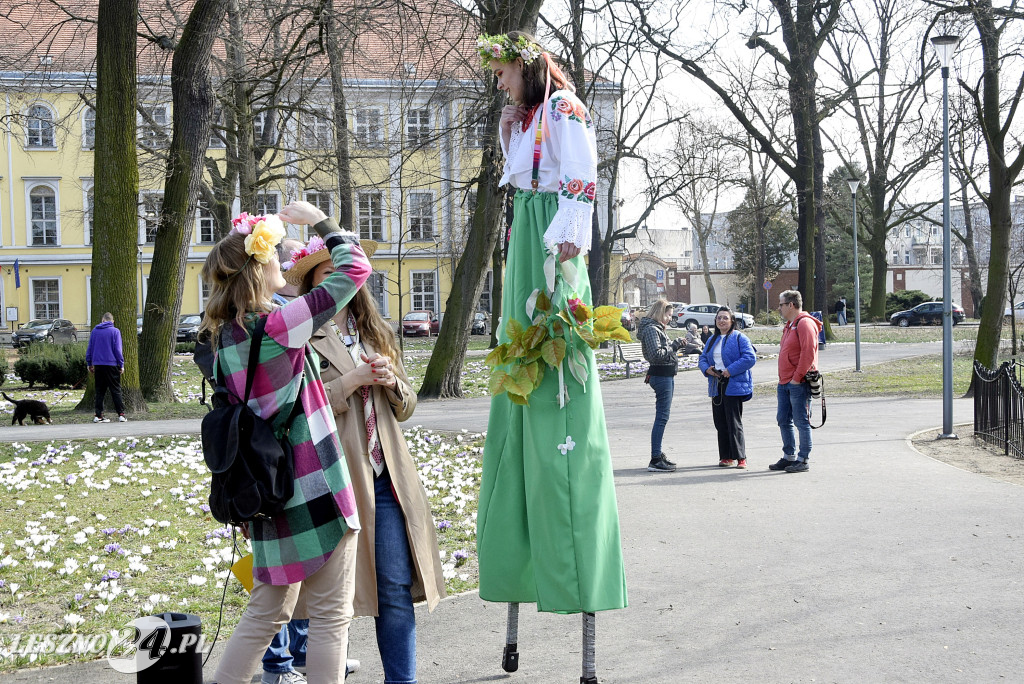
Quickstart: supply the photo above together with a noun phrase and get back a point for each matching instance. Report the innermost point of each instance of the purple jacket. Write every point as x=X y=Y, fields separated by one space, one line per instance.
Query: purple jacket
x=104 y=346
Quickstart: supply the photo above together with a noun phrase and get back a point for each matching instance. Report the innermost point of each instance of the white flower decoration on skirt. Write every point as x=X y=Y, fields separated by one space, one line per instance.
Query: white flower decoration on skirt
x=568 y=446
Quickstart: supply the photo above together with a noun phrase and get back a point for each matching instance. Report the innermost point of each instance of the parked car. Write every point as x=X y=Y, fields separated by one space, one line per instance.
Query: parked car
x=138 y=325
x=628 y=319
x=1018 y=311
x=929 y=313
x=704 y=314
x=188 y=327
x=479 y=325
x=420 y=323
x=676 y=308
x=45 y=329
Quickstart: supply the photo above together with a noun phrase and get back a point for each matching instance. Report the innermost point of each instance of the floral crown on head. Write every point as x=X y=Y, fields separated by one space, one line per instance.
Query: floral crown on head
x=315 y=244
x=262 y=235
x=503 y=49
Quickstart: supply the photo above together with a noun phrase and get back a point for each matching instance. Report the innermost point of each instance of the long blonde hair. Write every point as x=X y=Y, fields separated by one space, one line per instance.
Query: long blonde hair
x=237 y=283
x=371 y=325
x=657 y=309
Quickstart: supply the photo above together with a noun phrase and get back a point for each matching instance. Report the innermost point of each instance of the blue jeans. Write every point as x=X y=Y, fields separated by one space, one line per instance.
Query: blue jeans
x=396 y=620
x=794 y=408
x=664 y=387
x=288 y=649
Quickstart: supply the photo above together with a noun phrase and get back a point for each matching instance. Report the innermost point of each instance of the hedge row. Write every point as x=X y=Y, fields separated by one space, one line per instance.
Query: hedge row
x=53 y=365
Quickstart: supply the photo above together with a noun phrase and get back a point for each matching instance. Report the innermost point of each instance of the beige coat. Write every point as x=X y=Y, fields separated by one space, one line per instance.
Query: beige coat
x=428 y=578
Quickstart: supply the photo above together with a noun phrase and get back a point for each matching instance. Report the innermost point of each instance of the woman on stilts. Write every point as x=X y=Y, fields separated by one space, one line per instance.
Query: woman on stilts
x=547 y=527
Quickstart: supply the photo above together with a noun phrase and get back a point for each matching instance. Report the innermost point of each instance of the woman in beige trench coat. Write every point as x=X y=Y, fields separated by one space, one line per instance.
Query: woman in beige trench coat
x=397 y=559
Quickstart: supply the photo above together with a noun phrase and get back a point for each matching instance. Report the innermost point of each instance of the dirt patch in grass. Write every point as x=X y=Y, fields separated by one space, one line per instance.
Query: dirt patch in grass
x=970 y=454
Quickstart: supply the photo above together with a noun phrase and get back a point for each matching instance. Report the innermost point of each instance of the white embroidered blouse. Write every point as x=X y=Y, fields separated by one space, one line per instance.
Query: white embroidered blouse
x=568 y=166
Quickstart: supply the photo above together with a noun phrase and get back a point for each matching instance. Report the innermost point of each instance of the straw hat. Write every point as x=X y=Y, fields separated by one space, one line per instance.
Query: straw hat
x=312 y=255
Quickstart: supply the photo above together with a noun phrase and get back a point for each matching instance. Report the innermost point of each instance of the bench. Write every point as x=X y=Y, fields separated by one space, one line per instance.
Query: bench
x=629 y=353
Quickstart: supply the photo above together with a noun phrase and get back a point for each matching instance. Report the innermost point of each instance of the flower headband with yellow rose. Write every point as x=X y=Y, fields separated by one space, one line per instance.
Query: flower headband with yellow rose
x=262 y=235
x=503 y=49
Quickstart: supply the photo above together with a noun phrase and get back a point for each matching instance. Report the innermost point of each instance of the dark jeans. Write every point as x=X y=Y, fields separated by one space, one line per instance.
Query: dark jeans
x=664 y=387
x=108 y=377
x=288 y=649
x=396 y=619
x=728 y=414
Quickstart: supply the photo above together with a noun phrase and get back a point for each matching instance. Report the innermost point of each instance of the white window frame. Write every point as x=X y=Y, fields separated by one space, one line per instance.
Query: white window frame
x=148 y=137
x=32 y=296
x=41 y=133
x=317 y=129
x=420 y=295
x=53 y=184
x=202 y=221
x=316 y=197
x=369 y=128
x=259 y=122
x=88 y=211
x=202 y=299
x=418 y=131
x=476 y=131
x=416 y=216
x=369 y=217
x=379 y=278
x=144 y=220
x=88 y=130
x=261 y=199
x=216 y=141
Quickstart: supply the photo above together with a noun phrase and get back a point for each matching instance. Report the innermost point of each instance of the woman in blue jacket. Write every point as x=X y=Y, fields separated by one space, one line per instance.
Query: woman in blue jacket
x=727 y=359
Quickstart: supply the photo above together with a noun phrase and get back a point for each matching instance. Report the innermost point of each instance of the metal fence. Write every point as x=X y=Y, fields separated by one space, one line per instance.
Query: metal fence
x=999 y=407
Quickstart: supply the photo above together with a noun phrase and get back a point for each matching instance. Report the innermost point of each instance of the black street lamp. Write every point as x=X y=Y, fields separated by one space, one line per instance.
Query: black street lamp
x=944 y=48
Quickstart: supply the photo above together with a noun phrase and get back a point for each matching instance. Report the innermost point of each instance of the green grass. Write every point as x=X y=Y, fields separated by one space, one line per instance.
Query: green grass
x=76 y=512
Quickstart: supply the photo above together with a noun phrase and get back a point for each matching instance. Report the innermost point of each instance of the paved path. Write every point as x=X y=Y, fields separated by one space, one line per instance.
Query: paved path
x=879 y=565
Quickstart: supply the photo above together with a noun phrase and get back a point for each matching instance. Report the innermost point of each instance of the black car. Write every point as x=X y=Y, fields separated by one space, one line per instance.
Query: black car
x=188 y=327
x=929 y=313
x=45 y=330
x=479 y=326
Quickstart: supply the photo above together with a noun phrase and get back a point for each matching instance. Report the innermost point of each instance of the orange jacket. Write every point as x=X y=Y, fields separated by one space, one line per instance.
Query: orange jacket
x=798 y=352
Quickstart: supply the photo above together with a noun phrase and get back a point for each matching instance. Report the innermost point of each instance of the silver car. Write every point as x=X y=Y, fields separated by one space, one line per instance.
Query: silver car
x=704 y=314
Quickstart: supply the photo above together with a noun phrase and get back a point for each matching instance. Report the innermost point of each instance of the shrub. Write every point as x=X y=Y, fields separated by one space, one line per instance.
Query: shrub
x=903 y=300
x=53 y=365
x=5 y=367
x=185 y=348
x=768 y=318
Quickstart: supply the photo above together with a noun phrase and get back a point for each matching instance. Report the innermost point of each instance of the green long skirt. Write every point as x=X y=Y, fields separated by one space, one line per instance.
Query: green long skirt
x=547 y=527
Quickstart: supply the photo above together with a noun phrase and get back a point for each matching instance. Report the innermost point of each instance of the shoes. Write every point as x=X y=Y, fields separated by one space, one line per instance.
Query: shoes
x=665 y=459
x=781 y=464
x=122 y=419
x=98 y=419
x=351 y=665
x=742 y=463
x=660 y=465
x=798 y=467
x=726 y=463
x=290 y=677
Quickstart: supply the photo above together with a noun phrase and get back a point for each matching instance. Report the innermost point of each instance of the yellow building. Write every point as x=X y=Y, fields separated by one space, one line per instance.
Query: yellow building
x=415 y=134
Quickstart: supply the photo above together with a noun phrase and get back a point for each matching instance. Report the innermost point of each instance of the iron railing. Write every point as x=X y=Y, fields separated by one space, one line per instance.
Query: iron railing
x=999 y=407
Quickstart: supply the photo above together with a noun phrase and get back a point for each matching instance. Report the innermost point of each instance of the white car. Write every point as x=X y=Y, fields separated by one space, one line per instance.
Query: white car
x=1019 y=311
x=704 y=314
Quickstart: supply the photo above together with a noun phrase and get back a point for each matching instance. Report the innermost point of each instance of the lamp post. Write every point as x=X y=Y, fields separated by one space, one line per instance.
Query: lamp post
x=853 y=182
x=944 y=47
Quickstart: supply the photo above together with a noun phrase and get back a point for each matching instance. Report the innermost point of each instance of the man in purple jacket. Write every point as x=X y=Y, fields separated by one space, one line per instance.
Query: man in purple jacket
x=106 y=361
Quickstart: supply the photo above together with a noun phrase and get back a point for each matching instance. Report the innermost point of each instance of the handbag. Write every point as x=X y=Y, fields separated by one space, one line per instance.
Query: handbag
x=253 y=471
x=816 y=386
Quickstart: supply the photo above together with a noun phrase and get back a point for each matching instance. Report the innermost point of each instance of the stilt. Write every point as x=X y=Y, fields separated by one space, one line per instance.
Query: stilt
x=510 y=657
x=589 y=648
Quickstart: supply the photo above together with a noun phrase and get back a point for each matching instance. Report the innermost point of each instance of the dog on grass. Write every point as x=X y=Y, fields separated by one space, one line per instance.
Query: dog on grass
x=33 y=408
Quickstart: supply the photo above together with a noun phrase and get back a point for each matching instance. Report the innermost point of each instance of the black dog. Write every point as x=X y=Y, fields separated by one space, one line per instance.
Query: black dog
x=29 y=407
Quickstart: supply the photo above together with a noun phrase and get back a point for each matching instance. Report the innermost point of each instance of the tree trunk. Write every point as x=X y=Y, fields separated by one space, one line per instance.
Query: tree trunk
x=331 y=28
x=443 y=375
x=242 y=165
x=194 y=104
x=497 y=287
x=973 y=268
x=116 y=188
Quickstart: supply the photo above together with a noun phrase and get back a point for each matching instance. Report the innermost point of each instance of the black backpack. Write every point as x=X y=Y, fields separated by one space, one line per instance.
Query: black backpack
x=253 y=471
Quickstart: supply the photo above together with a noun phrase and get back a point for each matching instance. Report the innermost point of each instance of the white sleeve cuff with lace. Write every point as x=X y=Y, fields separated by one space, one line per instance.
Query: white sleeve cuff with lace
x=572 y=223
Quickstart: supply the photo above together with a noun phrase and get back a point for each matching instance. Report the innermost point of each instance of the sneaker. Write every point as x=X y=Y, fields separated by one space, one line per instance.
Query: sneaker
x=742 y=463
x=122 y=419
x=290 y=677
x=660 y=465
x=665 y=459
x=726 y=463
x=351 y=665
x=98 y=419
x=798 y=467
x=781 y=464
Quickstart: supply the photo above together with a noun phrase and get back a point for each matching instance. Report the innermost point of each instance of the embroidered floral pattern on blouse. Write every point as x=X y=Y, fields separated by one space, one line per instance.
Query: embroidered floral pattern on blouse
x=576 y=189
x=576 y=112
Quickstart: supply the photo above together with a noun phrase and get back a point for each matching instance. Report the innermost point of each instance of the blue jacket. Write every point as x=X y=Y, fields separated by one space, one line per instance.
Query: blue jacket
x=104 y=346
x=738 y=357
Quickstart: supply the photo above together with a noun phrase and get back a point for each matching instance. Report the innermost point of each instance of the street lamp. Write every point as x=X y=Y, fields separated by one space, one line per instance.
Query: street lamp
x=944 y=47
x=853 y=182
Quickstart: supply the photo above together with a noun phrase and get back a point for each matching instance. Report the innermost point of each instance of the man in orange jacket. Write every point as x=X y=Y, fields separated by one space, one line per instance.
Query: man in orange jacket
x=798 y=353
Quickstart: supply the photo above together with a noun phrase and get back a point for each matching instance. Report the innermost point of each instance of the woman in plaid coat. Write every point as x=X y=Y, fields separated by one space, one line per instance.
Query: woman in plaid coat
x=311 y=544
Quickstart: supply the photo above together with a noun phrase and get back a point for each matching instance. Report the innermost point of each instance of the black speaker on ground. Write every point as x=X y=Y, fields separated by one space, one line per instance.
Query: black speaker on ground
x=182 y=661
